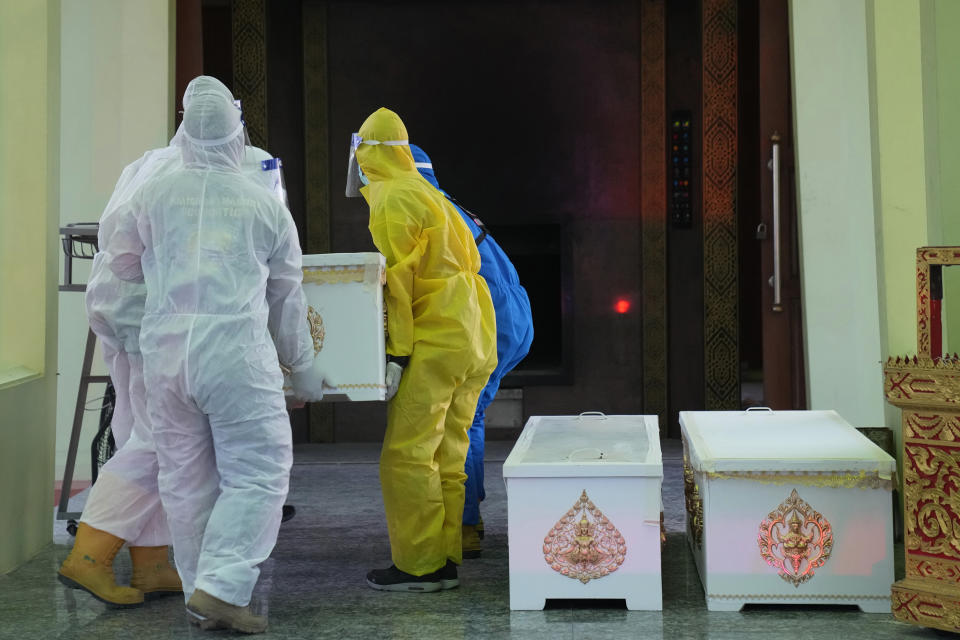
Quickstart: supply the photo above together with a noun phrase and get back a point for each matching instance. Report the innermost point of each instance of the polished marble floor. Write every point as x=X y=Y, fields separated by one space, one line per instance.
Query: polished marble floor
x=313 y=585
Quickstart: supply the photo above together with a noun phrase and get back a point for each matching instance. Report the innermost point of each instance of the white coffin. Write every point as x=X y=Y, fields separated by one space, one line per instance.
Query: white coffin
x=345 y=297
x=615 y=462
x=741 y=472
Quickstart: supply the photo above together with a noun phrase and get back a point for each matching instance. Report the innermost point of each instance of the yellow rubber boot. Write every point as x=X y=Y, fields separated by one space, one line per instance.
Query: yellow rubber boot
x=471 y=542
x=152 y=573
x=208 y=612
x=90 y=567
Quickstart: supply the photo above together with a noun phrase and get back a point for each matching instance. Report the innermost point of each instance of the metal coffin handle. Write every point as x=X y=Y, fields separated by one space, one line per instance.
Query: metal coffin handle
x=592 y=414
x=775 y=170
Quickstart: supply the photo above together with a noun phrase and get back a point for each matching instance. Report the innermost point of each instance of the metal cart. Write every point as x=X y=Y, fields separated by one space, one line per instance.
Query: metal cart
x=79 y=241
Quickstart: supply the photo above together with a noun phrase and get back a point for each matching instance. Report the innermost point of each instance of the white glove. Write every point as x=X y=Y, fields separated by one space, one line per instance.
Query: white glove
x=308 y=383
x=392 y=379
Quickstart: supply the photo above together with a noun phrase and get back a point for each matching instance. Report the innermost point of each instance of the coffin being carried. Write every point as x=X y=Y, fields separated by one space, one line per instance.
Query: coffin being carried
x=787 y=507
x=345 y=297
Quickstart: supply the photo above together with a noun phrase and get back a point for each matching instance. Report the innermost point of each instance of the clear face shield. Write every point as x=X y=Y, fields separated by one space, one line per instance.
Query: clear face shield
x=272 y=174
x=355 y=177
x=246 y=134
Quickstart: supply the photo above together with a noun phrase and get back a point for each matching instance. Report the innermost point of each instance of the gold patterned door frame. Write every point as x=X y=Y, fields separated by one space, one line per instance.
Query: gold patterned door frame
x=250 y=66
x=653 y=205
x=720 y=261
x=927 y=256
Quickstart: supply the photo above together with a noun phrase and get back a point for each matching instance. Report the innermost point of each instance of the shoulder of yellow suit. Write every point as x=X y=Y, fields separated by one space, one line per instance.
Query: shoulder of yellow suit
x=381 y=161
x=403 y=199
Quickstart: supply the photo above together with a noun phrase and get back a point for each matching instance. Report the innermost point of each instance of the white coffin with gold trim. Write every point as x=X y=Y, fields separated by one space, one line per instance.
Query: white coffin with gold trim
x=345 y=297
x=787 y=507
x=583 y=510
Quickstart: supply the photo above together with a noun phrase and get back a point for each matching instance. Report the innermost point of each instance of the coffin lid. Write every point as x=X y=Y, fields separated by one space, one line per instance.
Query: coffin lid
x=779 y=441
x=588 y=445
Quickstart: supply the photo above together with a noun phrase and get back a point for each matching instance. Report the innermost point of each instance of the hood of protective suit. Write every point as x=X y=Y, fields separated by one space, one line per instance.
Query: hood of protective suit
x=203 y=85
x=212 y=133
x=383 y=162
x=424 y=165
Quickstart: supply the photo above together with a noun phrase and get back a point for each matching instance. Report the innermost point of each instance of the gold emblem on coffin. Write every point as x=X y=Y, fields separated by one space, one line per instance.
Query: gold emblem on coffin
x=584 y=544
x=694 y=505
x=317 y=330
x=795 y=540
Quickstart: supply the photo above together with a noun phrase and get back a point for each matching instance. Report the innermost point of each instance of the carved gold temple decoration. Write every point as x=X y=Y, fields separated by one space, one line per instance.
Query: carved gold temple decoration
x=947 y=571
x=317 y=330
x=915 y=602
x=795 y=539
x=584 y=544
x=922 y=382
x=694 y=504
x=926 y=387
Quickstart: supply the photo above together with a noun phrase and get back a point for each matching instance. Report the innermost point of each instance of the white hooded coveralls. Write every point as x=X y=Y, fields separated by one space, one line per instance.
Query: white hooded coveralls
x=125 y=500
x=222 y=266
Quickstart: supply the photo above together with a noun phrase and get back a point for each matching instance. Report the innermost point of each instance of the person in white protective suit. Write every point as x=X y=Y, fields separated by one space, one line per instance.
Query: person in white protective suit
x=223 y=271
x=124 y=504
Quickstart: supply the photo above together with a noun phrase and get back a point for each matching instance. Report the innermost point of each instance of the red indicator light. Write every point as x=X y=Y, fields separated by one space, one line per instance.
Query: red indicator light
x=622 y=306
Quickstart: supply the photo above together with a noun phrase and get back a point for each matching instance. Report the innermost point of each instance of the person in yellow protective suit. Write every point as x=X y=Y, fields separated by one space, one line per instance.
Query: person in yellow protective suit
x=440 y=316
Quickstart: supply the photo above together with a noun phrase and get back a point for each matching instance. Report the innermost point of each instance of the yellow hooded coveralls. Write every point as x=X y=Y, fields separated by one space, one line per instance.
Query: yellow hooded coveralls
x=439 y=313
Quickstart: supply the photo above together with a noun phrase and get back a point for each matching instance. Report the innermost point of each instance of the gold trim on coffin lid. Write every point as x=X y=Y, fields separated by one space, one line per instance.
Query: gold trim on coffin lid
x=333 y=275
x=831 y=479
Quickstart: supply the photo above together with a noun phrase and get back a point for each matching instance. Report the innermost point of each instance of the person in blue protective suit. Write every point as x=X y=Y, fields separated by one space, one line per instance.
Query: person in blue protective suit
x=514 y=335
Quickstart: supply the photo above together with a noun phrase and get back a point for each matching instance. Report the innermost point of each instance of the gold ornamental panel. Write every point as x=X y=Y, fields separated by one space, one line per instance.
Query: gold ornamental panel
x=932 y=500
x=930 y=425
x=584 y=544
x=947 y=571
x=919 y=381
x=795 y=539
x=914 y=603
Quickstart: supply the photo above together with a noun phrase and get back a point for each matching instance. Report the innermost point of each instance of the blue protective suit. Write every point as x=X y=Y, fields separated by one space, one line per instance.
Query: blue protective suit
x=514 y=335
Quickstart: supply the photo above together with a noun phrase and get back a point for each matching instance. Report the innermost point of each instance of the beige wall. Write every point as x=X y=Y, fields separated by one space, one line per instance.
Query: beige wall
x=29 y=128
x=117 y=103
x=942 y=36
x=835 y=183
x=900 y=160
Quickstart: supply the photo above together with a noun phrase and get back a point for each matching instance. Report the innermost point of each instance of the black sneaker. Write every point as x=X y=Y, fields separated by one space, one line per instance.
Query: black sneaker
x=393 y=579
x=288 y=512
x=448 y=576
